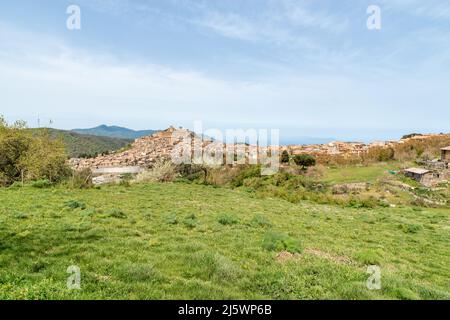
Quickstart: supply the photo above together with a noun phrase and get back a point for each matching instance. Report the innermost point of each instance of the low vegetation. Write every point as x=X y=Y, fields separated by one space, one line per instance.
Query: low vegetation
x=195 y=241
x=26 y=157
x=194 y=232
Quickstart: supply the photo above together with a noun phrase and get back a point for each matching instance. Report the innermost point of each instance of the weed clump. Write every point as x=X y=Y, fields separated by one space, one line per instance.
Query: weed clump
x=410 y=228
x=368 y=257
x=213 y=266
x=41 y=184
x=277 y=241
x=20 y=216
x=228 y=219
x=171 y=219
x=191 y=221
x=261 y=221
x=81 y=179
x=73 y=204
x=117 y=213
x=162 y=171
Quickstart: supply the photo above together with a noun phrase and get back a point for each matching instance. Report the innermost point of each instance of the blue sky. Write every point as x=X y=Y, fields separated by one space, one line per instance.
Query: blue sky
x=306 y=67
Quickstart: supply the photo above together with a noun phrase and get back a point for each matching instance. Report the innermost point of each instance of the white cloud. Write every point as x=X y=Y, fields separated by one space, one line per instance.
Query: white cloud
x=81 y=88
x=434 y=9
x=298 y=14
x=286 y=23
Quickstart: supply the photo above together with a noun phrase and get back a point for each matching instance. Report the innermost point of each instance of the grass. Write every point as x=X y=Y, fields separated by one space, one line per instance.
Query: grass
x=166 y=241
x=358 y=173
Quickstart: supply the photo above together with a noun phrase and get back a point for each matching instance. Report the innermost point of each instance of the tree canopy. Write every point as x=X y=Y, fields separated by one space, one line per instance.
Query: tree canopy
x=25 y=157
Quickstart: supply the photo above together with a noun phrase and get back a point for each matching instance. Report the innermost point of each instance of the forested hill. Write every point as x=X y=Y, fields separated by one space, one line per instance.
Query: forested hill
x=82 y=145
x=115 y=132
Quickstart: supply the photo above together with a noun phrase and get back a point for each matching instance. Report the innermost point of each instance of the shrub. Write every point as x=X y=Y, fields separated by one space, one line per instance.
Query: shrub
x=276 y=241
x=316 y=172
x=410 y=228
x=208 y=265
x=138 y=272
x=367 y=257
x=171 y=219
x=411 y=135
x=284 y=157
x=386 y=154
x=117 y=213
x=125 y=180
x=228 y=219
x=26 y=157
x=191 y=172
x=73 y=204
x=41 y=184
x=191 y=221
x=261 y=221
x=355 y=202
x=162 y=171
x=20 y=215
x=245 y=173
x=81 y=179
x=304 y=160
x=222 y=176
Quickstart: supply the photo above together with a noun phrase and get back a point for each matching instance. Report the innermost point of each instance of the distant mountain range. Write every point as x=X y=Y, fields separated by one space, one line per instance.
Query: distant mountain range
x=115 y=132
x=82 y=145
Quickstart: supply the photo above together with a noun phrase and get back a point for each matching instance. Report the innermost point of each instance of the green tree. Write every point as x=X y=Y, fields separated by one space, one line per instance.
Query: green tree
x=284 y=157
x=14 y=142
x=45 y=158
x=304 y=160
x=24 y=156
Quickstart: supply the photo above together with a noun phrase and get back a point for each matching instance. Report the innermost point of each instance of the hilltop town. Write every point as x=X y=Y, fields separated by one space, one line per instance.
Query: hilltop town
x=145 y=151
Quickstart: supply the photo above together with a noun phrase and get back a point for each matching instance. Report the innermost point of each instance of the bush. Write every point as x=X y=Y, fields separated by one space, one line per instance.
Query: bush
x=171 y=219
x=410 y=228
x=28 y=157
x=368 y=257
x=74 y=204
x=261 y=221
x=304 y=160
x=275 y=241
x=191 y=172
x=284 y=157
x=209 y=265
x=117 y=213
x=386 y=154
x=245 y=173
x=228 y=219
x=81 y=179
x=41 y=184
x=162 y=171
x=191 y=221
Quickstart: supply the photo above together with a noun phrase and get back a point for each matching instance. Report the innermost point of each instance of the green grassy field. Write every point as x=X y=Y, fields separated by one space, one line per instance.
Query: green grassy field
x=359 y=174
x=187 y=241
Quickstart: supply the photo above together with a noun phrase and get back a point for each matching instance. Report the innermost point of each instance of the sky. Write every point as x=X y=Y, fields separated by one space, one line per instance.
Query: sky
x=310 y=68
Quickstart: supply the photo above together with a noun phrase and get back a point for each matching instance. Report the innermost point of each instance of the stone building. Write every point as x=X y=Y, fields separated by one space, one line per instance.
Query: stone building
x=419 y=174
x=428 y=178
x=445 y=154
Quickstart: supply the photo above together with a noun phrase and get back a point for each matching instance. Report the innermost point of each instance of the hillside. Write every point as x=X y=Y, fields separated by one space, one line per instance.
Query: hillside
x=188 y=241
x=115 y=132
x=79 y=145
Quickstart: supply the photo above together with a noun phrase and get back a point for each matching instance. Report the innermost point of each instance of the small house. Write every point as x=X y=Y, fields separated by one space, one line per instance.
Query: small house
x=445 y=154
x=428 y=178
x=423 y=176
